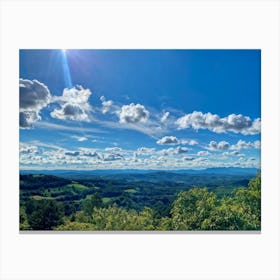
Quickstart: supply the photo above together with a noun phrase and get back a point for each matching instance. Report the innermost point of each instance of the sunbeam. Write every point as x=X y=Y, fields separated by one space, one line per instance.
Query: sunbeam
x=66 y=70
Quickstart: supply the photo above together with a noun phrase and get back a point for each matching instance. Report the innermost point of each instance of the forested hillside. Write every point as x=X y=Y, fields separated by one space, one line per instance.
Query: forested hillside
x=222 y=203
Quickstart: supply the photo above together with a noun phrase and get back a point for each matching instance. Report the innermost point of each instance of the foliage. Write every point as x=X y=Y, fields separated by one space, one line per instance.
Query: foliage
x=68 y=225
x=95 y=201
x=117 y=218
x=23 y=219
x=44 y=214
x=240 y=212
x=191 y=208
x=107 y=204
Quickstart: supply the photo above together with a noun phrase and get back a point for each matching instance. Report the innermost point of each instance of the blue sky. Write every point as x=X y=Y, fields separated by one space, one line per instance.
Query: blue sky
x=139 y=109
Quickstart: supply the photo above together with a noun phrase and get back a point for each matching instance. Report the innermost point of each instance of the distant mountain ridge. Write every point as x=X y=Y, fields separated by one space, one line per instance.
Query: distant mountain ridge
x=216 y=170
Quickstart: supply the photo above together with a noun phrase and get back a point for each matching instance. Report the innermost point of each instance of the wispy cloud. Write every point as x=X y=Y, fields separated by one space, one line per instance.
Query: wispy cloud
x=79 y=138
x=49 y=125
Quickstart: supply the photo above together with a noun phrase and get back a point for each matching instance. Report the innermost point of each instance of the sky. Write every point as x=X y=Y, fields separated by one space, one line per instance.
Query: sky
x=139 y=109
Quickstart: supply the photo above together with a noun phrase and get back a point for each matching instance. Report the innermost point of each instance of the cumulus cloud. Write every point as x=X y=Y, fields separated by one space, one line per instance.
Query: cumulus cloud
x=189 y=158
x=28 y=149
x=174 y=151
x=33 y=97
x=145 y=151
x=233 y=153
x=164 y=117
x=172 y=140
x=168 y=140
x=74 y=104
x=86 y=152
x=73 y=154
x=233 y=123
x=91 y=154
x=203 y=153
x=28 y=118
x=189 y=142
x=133 y=114
x=180 y=150
x=243 y=145
x=214 y=146
x=112 y=157
x=113 y=149
x=201 y=159
x=106 y=105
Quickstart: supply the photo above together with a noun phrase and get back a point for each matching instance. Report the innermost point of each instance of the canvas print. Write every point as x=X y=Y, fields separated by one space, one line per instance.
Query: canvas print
x=139 y=140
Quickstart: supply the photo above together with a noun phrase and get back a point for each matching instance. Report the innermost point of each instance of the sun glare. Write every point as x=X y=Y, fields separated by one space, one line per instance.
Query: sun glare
x=66 y=70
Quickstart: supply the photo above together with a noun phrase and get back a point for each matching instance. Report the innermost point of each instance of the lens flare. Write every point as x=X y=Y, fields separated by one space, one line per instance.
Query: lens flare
x=66 y=70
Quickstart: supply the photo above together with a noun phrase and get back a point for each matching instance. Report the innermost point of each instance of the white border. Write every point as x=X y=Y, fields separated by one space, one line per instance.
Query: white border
x=153 y=24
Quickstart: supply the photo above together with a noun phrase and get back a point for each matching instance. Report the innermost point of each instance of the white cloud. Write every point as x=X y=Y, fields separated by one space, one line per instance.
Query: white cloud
x=79 y=138
x=233 y=123
x=201 y=159
x=87 y=158
x=173 y=151
x=53 y=126
x=214 y=146
x=257 y=144
x=180 y=150
x=74 y=153
x=106 y=105
x=189 y=142
x=203 y=153
x=33 y=97
x=133 y=114
x=145 y=151
x=243 y=145
x=233 y=153
x=28 y=118
x=172 y=140
x=74 y=104
x=189 y=158
x=168 y=140
x=86 y=152
x=112 y=157
x=164 y=117
x=27 y=149
x=114 y=149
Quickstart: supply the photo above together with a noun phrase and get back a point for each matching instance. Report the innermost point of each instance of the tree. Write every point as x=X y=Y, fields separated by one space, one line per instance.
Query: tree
x=94 y=201
x=242 y=211
x=75 y=226
x=191 y=208
x=23 y=220
x=44 y=214
x=117 y=218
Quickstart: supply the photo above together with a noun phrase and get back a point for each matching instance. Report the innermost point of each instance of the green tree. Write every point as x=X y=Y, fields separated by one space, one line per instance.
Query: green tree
x=164 y=223
x=191 y=208
x=23 y=219
x=242 y=211
x=117 y=218
x=75 y=226
x=95 y=201
x=44 y=214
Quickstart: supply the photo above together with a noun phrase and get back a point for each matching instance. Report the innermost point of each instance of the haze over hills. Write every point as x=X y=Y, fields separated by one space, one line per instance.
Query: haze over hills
x=217 y=170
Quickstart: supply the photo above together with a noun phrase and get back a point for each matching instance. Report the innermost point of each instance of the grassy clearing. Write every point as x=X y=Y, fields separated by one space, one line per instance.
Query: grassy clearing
x=77 y=186
x=131 y=191
x=106 y=199
x=39 y=197
x=37 y=175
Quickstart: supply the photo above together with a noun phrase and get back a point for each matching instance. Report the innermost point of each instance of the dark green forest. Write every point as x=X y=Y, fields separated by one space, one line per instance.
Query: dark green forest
x=154 y=202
